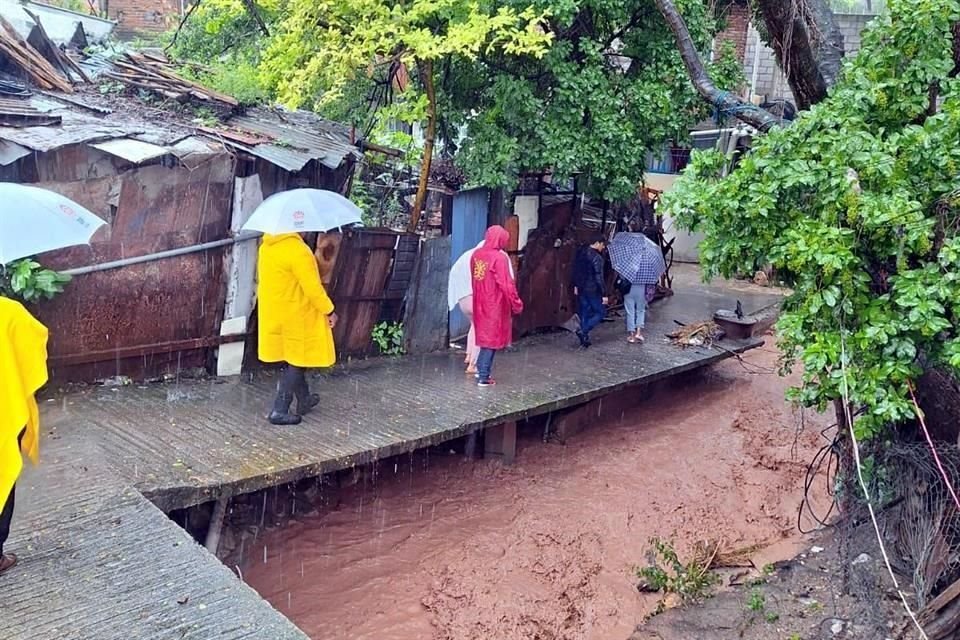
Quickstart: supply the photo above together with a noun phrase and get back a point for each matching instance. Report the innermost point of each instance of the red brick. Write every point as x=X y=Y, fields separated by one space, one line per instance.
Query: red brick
x=737 y=17
x=143 y=17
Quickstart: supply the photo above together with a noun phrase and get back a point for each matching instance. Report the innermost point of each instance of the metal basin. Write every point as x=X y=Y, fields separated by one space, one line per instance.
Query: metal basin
x=733 y=327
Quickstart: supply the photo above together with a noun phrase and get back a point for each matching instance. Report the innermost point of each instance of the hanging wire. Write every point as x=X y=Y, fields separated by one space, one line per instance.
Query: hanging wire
x=855 y=445
x=933 y=449
x=828 y=455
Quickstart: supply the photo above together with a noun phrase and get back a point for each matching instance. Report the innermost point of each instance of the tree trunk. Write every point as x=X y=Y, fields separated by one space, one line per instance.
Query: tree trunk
x=727 y=103
x=251 y=7
x=426 y=76
x=808 y=44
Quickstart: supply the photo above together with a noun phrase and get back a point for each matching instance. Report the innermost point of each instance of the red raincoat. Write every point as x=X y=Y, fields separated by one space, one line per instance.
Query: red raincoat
x=495 y=295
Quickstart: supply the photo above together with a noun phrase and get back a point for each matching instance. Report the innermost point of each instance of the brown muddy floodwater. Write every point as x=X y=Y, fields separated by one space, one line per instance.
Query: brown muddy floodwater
x=437 y=546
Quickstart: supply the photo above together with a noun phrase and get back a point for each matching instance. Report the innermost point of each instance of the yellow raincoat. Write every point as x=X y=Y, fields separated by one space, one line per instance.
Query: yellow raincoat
x=23 y=370
x=293 y=305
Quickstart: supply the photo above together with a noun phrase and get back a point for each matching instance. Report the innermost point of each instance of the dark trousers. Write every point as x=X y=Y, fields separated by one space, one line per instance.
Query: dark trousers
x=485 y=363
x=6 y=516
x=590 y=307
x=293 y=384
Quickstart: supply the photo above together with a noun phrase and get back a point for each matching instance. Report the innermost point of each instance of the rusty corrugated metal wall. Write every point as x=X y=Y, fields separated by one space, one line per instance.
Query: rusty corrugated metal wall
x=148 y=319
x=358 y=286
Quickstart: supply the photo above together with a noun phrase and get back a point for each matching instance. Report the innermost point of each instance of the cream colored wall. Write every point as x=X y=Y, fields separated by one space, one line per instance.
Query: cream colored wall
x=686 y=244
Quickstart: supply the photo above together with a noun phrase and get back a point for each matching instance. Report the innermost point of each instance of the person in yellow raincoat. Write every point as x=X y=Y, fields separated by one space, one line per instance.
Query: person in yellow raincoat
x=23 y=363
x=296 y=319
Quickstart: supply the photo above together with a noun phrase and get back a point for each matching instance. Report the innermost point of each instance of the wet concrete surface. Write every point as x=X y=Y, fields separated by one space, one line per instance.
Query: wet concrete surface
x=99 y=562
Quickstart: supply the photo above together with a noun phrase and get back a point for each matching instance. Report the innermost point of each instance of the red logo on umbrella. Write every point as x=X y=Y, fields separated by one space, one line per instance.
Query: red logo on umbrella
x=67 y=210
x=298 y=217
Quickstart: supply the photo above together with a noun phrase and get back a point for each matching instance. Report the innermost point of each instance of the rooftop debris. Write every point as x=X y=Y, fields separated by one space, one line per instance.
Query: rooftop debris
x=20 y=113
x=45 y=45
x=30 y=61
x=151 y=73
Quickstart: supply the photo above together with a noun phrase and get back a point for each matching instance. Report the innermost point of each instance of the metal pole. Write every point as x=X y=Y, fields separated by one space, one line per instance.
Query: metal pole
x=756 y=67
x=162 y=255
x=216 y=524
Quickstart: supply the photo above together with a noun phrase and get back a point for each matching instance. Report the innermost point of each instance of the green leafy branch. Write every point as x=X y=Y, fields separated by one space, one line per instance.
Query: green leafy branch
x=28 y=281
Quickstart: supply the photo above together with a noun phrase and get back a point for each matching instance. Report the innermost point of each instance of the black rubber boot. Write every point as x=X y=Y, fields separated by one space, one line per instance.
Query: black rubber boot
x=306 y=402
x=281 y=415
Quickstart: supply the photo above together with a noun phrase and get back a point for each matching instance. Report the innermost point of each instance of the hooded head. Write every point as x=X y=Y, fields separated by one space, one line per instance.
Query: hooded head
x=496 y=238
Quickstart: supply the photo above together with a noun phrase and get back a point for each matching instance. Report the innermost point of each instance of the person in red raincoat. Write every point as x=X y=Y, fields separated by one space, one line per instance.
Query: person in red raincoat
x=495 y=299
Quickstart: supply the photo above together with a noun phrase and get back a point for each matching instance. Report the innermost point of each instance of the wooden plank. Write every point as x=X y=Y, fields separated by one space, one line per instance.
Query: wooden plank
x=358 y=286
x=30 y=61
x=425 y=324
x=242 y=273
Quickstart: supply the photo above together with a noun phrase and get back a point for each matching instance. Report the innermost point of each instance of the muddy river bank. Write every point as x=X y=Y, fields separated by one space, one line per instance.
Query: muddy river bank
x=434 y=545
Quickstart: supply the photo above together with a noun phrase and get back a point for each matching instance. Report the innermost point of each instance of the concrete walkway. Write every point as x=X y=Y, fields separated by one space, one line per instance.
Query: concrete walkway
x=188 y=442
x=99 y=562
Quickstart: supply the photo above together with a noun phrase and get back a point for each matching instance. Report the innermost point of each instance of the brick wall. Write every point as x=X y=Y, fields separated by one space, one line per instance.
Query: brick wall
x=737 y=18
x=142 y=17
x=771 y=82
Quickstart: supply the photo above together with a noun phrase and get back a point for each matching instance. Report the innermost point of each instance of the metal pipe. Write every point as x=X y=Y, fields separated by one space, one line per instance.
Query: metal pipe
x=161 y=255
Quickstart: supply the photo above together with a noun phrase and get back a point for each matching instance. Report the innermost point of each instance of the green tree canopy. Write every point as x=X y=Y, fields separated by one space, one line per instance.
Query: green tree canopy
x=856 y=205
x=611 y=88
x=319 y=48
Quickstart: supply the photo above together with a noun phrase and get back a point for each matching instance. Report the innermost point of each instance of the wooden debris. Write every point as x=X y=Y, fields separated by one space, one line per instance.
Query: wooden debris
x=235 y=136
x=53 y=53
x=699 y=334
x=30 y=61
x=941 y=618
x=150 y=73
x=739 y=558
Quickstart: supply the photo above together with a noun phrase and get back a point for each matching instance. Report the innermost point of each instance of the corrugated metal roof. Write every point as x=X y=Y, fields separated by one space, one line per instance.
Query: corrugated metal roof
x=80 y=127
x=10 y=152
x=299 y=137
x=288 y=140
x=131 y=150
x=59 y=24
x=20 y=113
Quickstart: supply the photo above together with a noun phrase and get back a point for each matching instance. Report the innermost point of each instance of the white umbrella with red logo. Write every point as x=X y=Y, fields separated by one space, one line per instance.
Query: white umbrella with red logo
x=34 y=220
x=300 y=210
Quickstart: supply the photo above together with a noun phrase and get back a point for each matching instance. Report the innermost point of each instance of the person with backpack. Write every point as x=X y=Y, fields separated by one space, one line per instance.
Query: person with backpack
x=589 y=286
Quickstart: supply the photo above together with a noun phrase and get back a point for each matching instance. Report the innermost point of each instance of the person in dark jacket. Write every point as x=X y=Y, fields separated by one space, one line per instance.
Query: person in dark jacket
x=588 y=286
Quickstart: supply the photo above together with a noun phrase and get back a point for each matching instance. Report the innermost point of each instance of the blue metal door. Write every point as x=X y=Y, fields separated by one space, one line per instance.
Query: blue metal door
x=470 y=209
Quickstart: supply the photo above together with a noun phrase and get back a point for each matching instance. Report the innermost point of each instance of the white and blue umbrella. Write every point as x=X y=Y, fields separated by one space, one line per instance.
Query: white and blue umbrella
x=300 y=210
x=636 y=258
x=34 y=220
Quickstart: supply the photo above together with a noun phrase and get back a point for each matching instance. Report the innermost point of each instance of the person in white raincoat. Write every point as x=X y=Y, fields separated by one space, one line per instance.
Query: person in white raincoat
x=460 y=293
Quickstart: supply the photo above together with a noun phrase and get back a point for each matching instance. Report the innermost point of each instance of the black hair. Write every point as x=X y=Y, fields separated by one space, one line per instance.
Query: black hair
x=596 y=237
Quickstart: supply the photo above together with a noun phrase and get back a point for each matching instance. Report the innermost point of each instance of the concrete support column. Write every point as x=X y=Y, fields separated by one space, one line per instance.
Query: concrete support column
x=500 y=441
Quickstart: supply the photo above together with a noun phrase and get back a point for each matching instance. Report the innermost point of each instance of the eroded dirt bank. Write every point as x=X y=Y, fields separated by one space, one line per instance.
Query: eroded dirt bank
x=437 y=546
